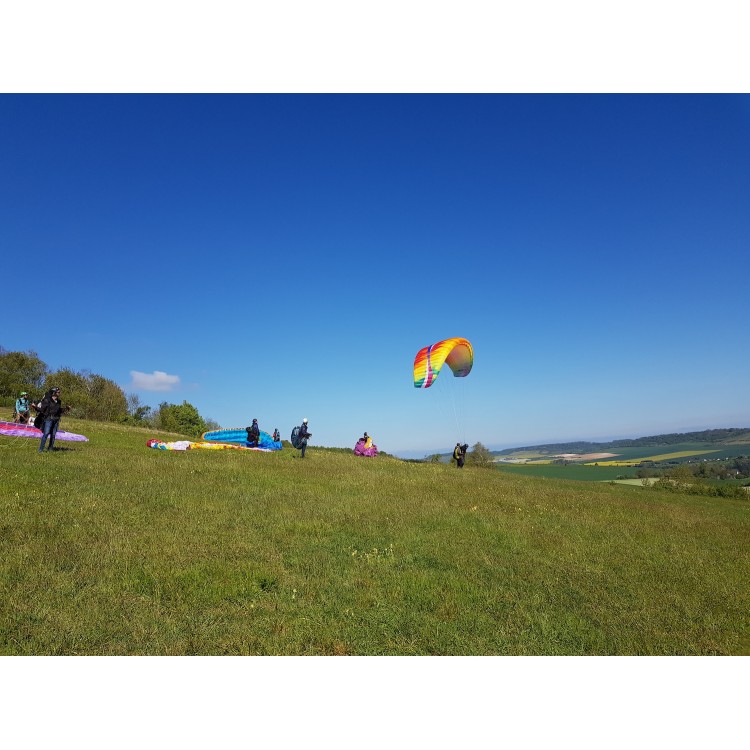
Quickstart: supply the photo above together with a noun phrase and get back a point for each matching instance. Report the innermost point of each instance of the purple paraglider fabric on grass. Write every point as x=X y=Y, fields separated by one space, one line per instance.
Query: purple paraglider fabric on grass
x=360 y=450
x=12 y=429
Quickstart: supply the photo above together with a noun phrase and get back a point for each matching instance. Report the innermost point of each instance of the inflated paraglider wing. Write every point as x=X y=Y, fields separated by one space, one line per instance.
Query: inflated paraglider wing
x=457 y=353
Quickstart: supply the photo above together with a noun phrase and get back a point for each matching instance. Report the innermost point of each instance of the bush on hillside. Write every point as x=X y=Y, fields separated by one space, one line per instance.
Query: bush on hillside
x=91 y=396
x=480 y=456
x=183 y=419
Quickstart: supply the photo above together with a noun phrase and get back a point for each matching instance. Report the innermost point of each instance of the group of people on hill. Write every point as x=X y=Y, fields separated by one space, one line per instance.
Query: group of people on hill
x=253 y=435
x=49 y=410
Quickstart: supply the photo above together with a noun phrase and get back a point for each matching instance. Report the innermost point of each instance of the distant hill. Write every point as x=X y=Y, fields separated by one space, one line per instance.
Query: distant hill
x=726 y=436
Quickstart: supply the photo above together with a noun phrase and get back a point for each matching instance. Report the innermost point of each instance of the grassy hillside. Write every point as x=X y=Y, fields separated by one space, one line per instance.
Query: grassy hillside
x=712 y=438
x=110 y=547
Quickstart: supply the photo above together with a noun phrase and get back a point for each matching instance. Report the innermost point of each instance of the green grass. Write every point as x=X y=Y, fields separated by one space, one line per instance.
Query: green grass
x=578 y=472
x=110 y=547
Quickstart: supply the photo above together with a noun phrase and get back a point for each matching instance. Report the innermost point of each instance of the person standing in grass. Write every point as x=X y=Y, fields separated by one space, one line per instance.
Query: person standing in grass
x=50 y=410
x=459 y=455
x=304 y=434
x=276 y=436
x=23 y=408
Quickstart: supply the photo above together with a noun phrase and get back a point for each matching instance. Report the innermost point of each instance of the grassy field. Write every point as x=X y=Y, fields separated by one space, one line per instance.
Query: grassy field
x=657 y=458
x=573 y=471
x=635 y=454
x=110 y=547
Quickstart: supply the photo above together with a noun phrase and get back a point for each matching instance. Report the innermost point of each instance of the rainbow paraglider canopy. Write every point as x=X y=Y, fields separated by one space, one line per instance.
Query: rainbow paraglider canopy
x=457 y=353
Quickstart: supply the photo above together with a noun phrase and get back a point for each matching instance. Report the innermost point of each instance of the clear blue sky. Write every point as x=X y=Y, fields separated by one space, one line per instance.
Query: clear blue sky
x=286 y=256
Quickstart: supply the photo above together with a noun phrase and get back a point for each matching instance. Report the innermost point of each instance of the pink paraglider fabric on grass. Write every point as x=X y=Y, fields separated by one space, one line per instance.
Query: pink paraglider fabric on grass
x=12 y=429
x=360 y=450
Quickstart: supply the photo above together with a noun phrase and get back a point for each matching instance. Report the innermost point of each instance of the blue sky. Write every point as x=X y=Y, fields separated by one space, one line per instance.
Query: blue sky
x=286 y=256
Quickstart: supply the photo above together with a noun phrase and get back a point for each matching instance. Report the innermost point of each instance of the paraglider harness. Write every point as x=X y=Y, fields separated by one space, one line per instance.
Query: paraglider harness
x=299 y=437
x=253 y=434
x=47 y=408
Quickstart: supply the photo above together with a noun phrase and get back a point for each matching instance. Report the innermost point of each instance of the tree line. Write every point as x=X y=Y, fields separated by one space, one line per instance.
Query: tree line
x=93 y=396
x=722 y=468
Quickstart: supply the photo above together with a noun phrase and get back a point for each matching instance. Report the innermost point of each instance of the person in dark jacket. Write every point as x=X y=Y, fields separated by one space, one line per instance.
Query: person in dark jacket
x=459 y=455
x=50 y=410
x=253 y=434
x=276 y=436
x=304 y=434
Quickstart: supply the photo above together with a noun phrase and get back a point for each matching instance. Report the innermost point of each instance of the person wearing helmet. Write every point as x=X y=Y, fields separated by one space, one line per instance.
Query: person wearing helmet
x=253 y=434
x=276 y=436
x=23 y=409
x=50 y=411
x=304 y=434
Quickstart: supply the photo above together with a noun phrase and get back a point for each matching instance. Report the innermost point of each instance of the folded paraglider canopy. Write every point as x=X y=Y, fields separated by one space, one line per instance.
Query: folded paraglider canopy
x=361 y=450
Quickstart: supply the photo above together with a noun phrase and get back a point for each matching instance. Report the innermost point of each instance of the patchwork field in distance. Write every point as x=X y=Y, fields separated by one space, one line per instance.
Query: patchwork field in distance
x=539 y=462
x=655 y=459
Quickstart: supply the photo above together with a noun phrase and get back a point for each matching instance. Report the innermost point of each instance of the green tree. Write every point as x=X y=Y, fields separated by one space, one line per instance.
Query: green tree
x=183 y=419
x=21 y=371
x=480 y=456
x=138 y=413
x=91 y=396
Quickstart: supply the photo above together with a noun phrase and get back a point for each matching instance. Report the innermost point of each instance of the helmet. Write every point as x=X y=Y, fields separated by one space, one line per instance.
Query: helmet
x=304 y=421
x=23 y=393
x=55 y=390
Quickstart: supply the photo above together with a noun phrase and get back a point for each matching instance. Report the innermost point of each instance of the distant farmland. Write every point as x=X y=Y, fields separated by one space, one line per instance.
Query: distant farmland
x=541 y=461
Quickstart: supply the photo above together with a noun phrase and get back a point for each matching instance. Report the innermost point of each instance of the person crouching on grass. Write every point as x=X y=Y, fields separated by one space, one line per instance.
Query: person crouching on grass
x=23 y=410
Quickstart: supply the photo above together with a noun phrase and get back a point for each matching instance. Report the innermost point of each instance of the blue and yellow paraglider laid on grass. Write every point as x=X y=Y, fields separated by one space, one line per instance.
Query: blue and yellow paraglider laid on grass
x=238 y=436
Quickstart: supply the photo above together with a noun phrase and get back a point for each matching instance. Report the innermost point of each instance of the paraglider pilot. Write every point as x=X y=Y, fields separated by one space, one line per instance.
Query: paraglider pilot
x=304 y=434
x=459 y=455
x=253 y=434
x=50 y=411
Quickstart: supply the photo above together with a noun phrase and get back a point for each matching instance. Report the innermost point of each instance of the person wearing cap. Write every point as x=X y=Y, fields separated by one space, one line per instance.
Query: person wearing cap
x=50 y=410
x=23 y=409
x=253 y=434
x=304 y=434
